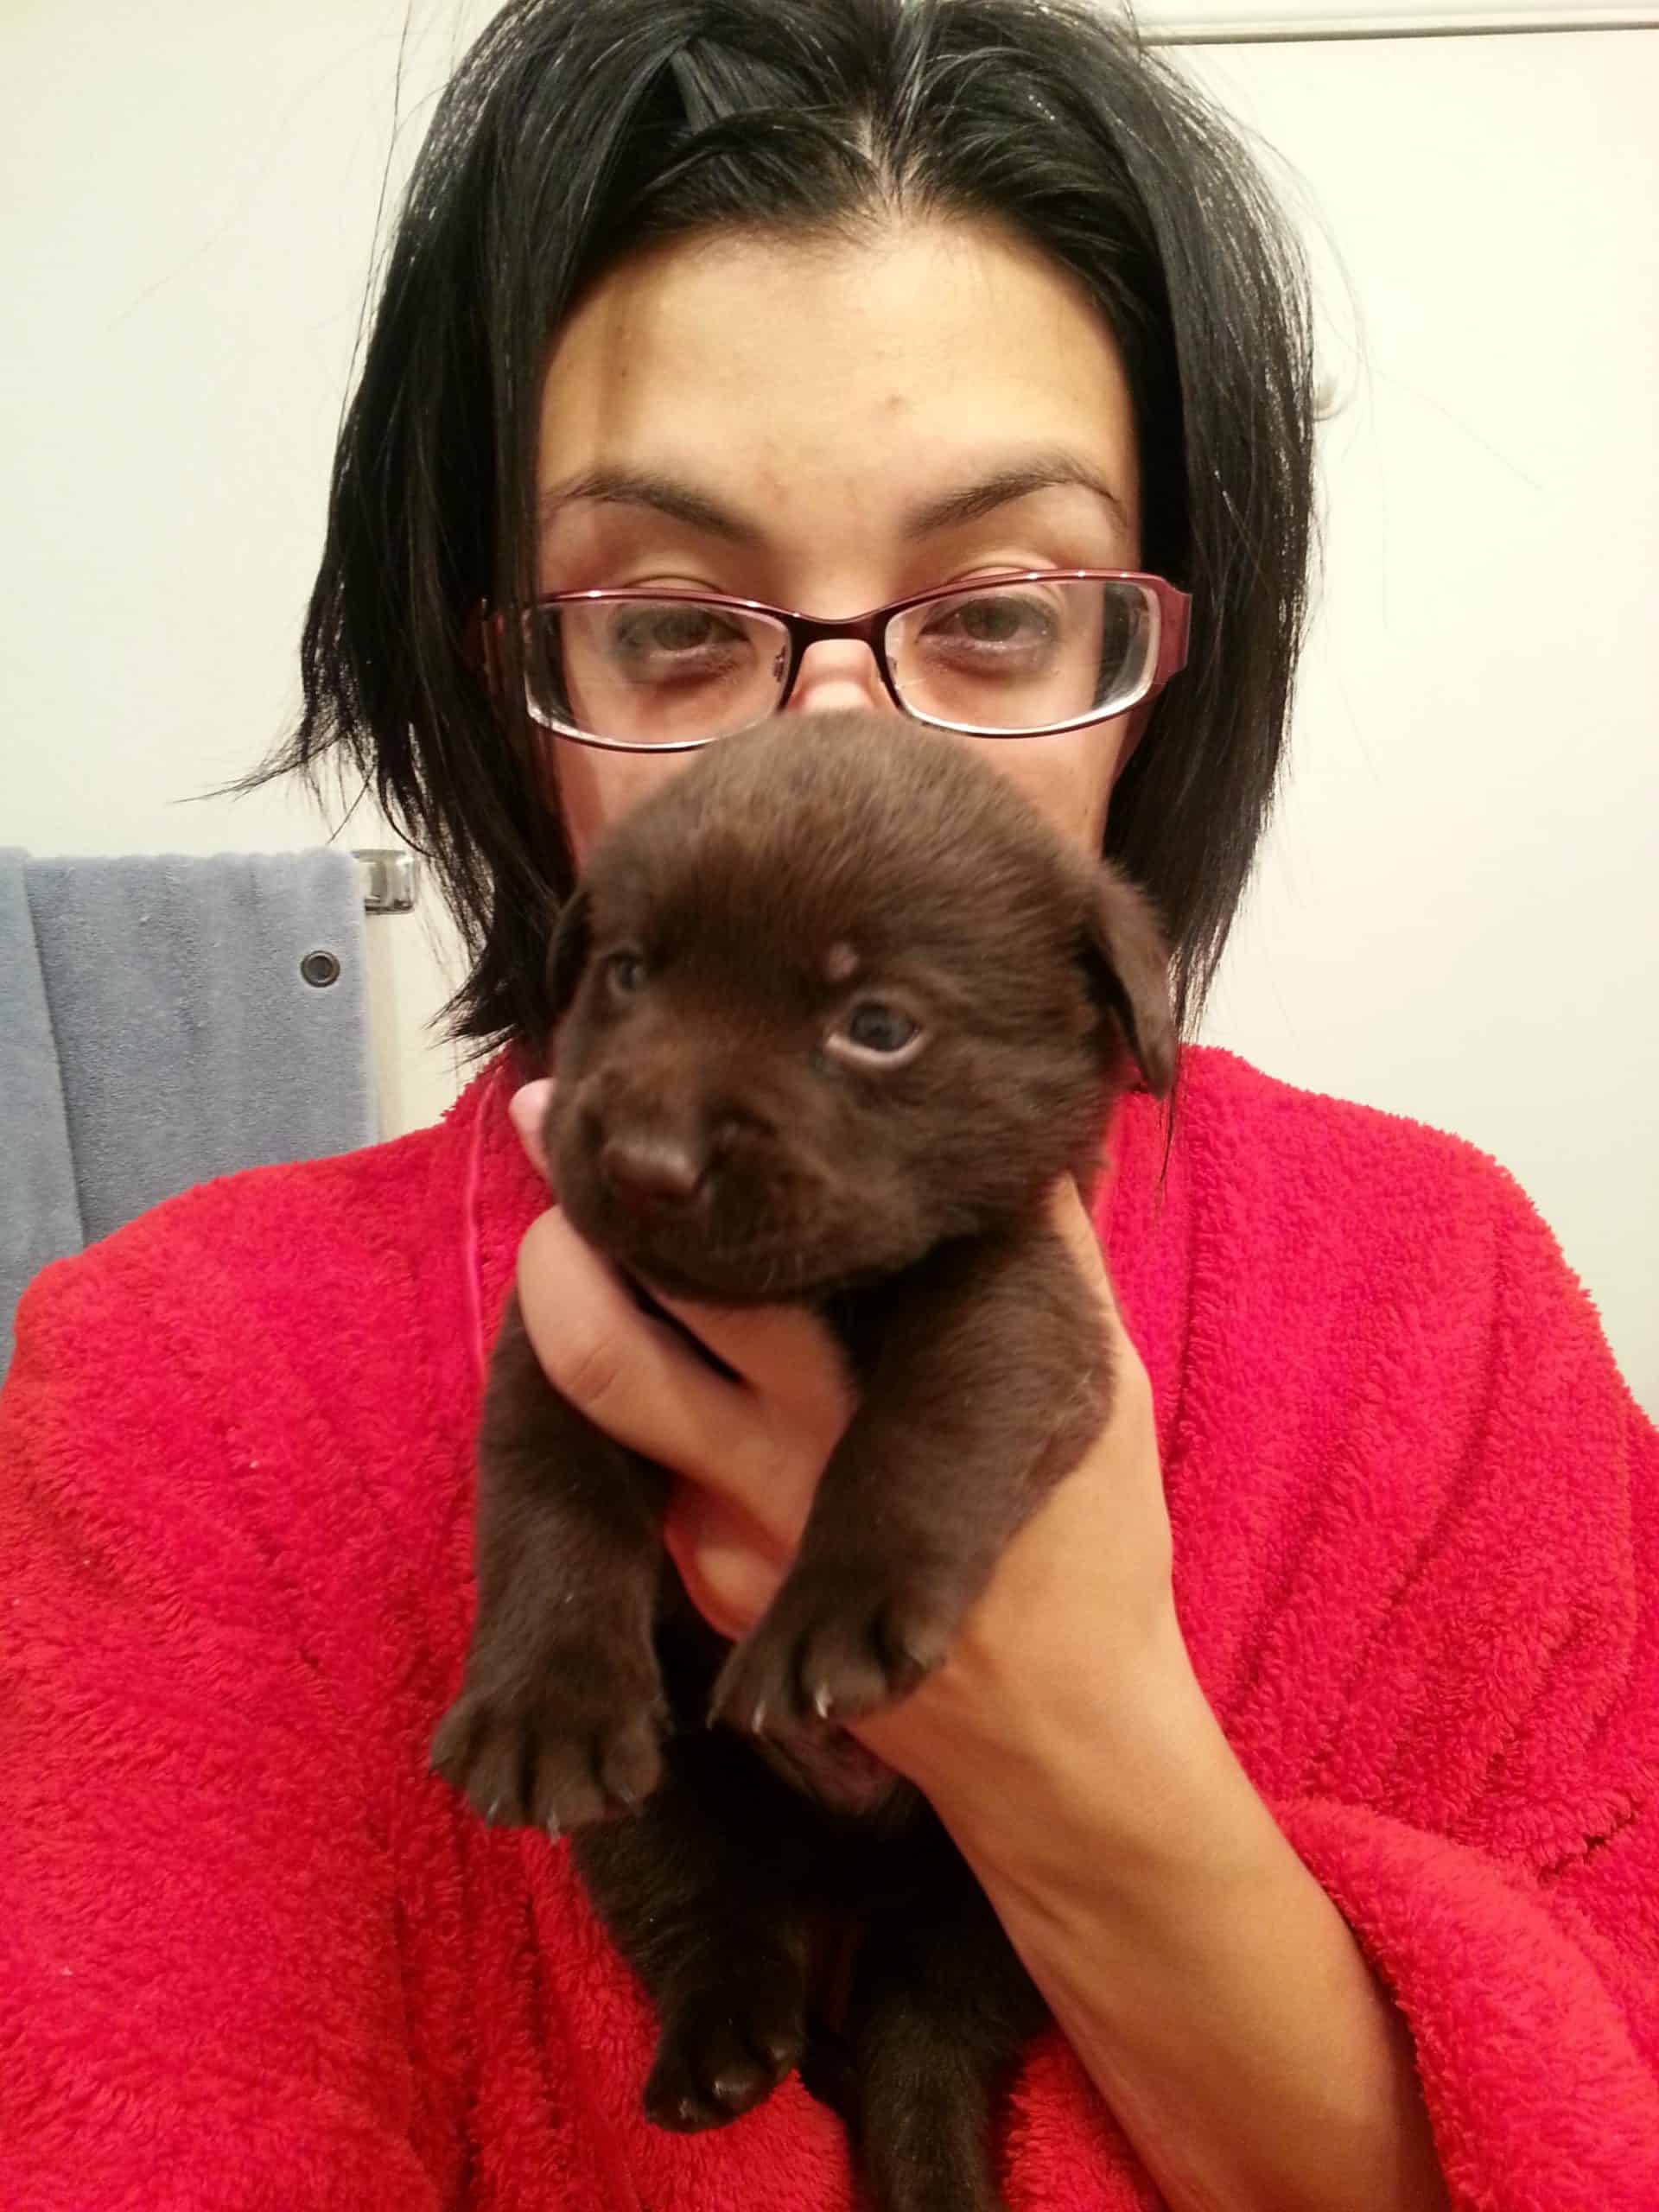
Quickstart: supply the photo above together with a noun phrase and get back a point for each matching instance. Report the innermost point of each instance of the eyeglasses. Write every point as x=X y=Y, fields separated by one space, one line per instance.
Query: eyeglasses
x=1019 y=654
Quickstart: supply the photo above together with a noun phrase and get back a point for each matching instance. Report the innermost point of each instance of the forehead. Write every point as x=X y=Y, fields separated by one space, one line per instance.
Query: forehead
x=823 y=389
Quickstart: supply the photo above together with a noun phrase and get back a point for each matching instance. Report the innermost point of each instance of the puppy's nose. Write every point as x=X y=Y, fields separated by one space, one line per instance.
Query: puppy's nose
x=650 y=1171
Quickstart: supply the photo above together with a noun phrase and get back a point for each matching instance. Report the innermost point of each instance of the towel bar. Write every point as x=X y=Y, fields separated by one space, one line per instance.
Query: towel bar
x=391 y=881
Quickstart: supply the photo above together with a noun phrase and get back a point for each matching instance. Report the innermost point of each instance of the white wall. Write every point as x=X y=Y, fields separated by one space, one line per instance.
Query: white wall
x=1455 y=915
x=1207 y=21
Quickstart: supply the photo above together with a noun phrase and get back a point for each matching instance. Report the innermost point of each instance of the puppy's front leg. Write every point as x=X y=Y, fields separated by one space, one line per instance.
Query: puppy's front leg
x=987 y=1380
x=561 y=1711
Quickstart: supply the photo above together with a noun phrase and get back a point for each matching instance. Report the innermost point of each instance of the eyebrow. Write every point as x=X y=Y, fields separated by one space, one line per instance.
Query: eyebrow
x=1015 y=478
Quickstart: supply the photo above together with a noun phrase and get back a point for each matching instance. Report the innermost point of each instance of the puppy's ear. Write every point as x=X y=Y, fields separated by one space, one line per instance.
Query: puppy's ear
x=567 y=955
x=1127 y=963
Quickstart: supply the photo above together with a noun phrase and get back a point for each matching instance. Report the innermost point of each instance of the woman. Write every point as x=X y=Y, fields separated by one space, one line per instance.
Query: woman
x=1306 y=1742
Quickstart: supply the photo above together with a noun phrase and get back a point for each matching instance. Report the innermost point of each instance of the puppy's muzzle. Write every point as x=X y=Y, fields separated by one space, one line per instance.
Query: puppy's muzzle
x=652 y=1174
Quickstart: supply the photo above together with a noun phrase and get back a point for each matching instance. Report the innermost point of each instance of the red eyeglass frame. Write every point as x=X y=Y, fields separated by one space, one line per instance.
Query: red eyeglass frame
x=479 y=641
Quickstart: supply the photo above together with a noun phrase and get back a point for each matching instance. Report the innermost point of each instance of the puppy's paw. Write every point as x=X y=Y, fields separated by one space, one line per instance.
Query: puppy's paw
x=569 y=1749
x=724 y=2051
x=838 y=1641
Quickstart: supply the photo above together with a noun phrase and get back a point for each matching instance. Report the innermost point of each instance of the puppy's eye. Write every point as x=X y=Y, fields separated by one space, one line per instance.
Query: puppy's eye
x=875 y=1034
x=625 y=972
x=879 y=1029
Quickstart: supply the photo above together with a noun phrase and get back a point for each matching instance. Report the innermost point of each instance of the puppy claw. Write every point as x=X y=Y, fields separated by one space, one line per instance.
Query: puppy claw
x=723 y=2048
x=531 y=1754
x=836 y=1642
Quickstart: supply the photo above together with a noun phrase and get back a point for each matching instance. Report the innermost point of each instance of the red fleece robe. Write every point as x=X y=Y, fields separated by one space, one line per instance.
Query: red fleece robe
x=253 y=1955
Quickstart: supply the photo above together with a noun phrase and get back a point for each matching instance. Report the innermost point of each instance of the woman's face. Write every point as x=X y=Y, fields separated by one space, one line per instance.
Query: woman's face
x=819 y=396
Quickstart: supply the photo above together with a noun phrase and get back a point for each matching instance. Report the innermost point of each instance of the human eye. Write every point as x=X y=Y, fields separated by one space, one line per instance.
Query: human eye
x=987 y=627
x=672 y=641
x=632 y=668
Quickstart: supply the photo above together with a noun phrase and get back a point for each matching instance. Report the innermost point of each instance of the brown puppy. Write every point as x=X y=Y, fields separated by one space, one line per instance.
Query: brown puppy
x=834 y=1007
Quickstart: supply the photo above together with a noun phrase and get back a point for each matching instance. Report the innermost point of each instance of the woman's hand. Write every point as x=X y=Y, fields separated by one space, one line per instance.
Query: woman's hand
x=1078 y=1615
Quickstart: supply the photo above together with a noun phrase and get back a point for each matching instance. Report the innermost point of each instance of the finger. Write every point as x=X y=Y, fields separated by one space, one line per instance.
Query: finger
x=786 y=1353
x=636 y=1378
x=1070 y=1218
x=527 y=1108
x=730 y=1569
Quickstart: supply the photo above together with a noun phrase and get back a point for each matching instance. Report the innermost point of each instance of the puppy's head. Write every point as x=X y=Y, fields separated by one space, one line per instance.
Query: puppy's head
x=834 y=993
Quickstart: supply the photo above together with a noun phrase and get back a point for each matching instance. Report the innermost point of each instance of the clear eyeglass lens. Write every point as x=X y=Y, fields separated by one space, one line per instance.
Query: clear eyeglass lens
x=1023 y=657
x=1031 y=656
x=652 y=672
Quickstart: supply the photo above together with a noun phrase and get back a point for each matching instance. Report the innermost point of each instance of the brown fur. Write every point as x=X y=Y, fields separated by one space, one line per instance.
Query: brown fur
x=713 y=1134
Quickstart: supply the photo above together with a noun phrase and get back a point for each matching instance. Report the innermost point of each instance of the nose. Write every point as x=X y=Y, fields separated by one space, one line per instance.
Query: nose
x=838 y=673
x=651 y=1172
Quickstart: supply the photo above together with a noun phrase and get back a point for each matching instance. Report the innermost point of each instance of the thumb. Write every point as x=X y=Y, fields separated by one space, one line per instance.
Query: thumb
x=528 y=1108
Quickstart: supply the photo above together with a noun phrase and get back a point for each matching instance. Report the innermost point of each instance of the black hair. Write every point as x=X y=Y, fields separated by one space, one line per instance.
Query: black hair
x=577 y=131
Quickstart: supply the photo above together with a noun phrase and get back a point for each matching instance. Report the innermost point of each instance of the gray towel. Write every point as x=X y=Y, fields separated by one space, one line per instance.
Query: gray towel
x=156 y=1030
